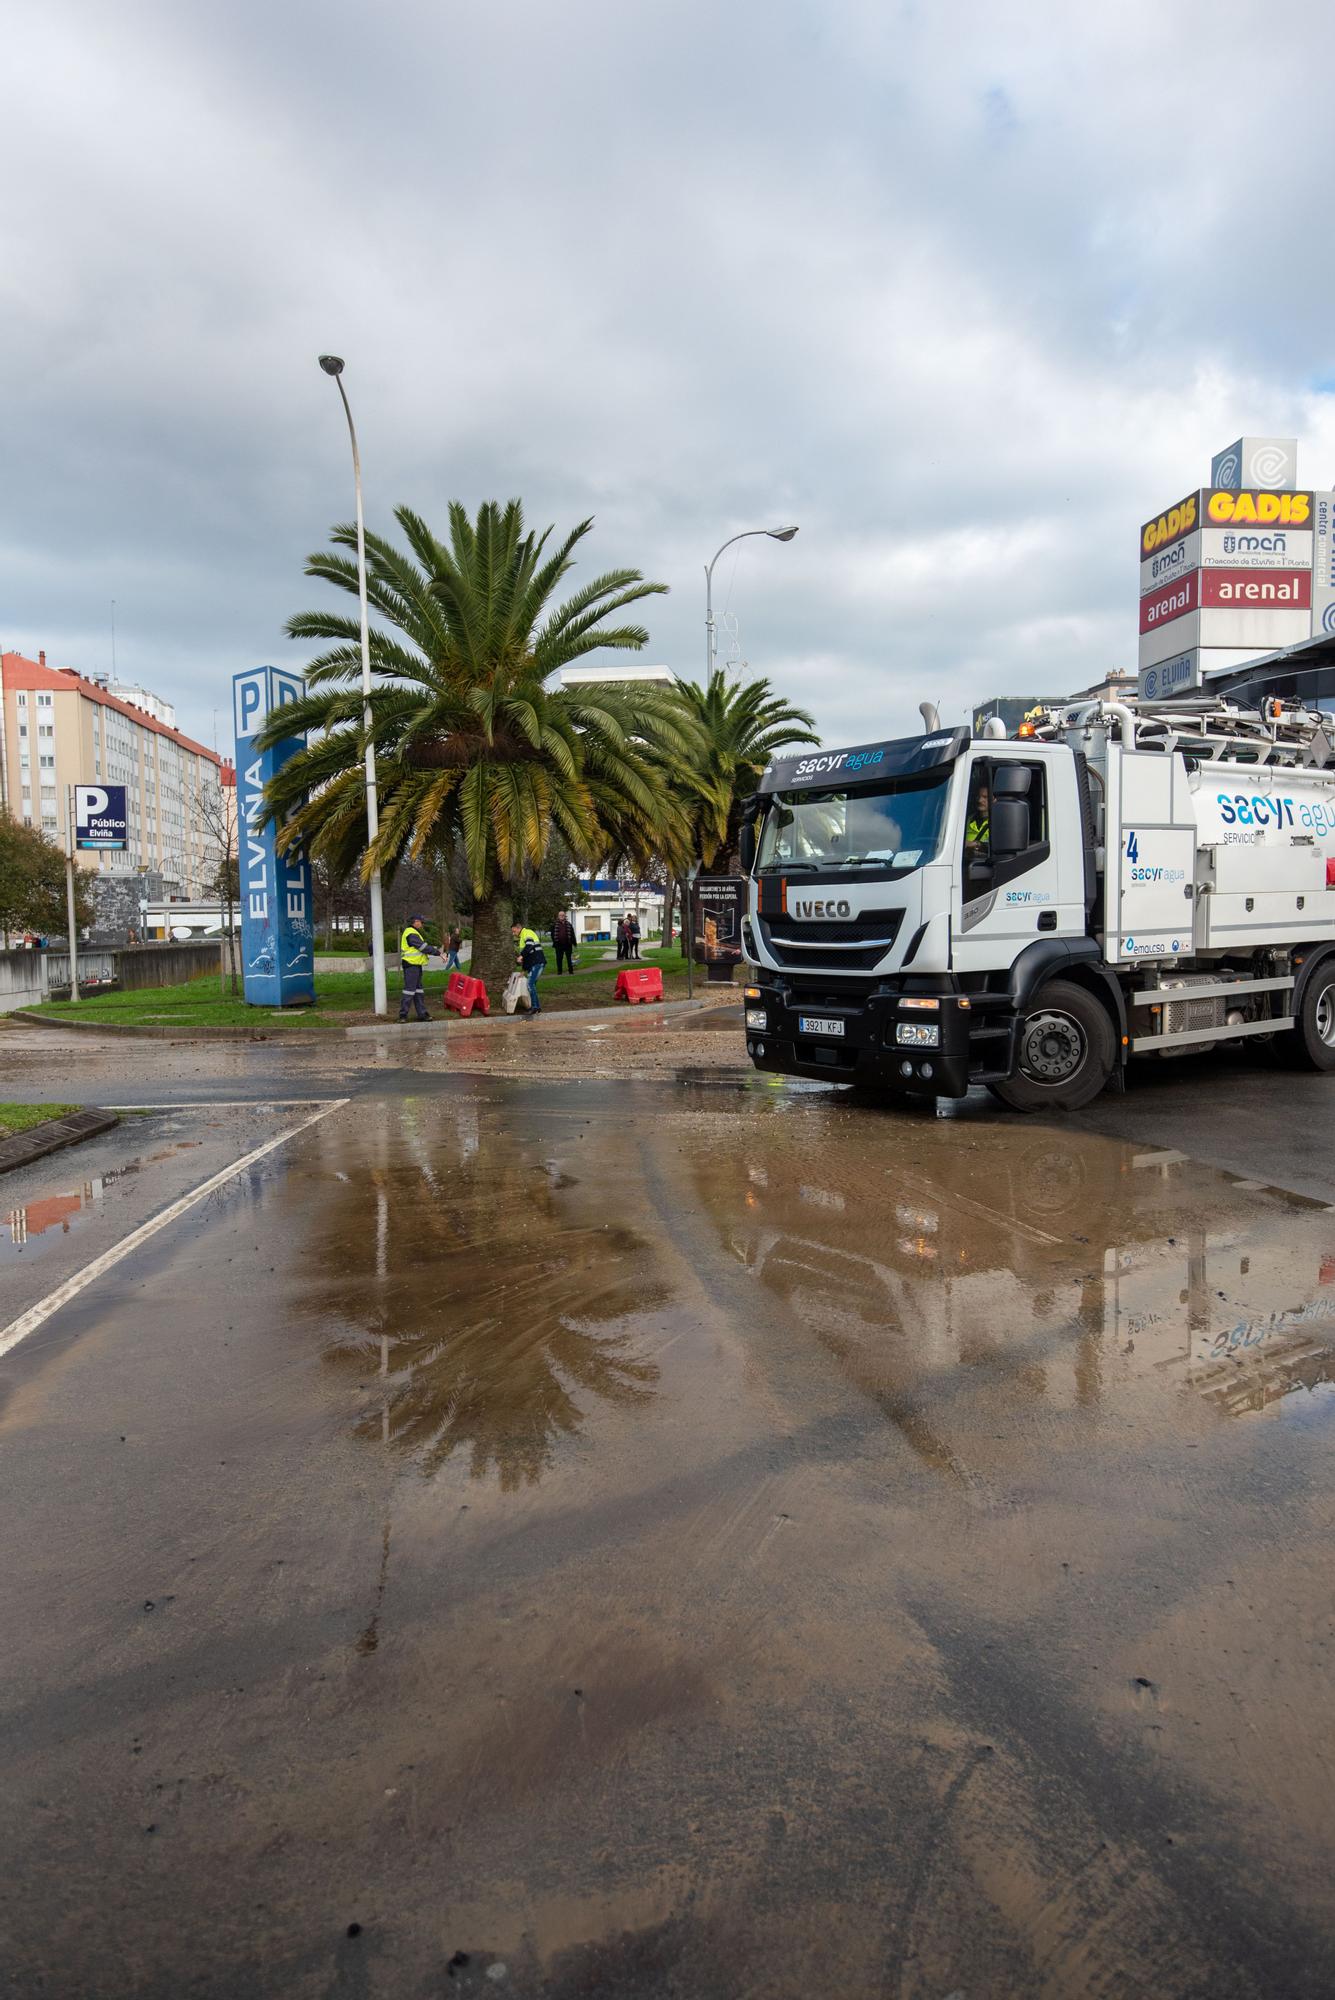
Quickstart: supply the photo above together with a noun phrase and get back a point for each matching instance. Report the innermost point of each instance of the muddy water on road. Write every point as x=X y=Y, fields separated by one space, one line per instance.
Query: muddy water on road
x=713 y=1541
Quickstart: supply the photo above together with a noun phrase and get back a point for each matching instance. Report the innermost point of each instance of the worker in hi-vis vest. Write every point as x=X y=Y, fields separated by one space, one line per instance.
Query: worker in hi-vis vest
x=414 y=952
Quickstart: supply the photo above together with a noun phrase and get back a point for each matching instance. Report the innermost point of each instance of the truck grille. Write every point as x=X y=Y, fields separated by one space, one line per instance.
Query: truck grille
x=791 y=942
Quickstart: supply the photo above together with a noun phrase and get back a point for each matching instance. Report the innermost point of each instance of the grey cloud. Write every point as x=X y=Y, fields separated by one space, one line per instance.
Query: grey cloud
x=965 y=290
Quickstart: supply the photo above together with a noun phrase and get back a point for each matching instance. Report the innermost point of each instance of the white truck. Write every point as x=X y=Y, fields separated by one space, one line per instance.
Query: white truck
x=1030 y=912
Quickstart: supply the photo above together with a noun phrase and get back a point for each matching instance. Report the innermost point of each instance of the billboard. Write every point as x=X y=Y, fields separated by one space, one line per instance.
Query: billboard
x=1247 y=507
x=1252 y=461
x=1255 y=590
x=1169 y=602
x=1256 y=548
x=1323 y=564
x=276 y=933
x=1188 y=670
x=100 y=817
x=1170 y=526
x=718 y=906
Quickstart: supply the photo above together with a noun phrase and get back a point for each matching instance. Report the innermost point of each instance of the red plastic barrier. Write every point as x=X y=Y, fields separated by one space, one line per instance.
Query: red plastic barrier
x=463 y=994
x=639 y=983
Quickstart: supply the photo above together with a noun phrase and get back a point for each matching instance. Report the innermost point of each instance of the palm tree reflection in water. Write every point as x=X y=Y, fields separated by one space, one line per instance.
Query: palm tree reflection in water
x=501 y=1308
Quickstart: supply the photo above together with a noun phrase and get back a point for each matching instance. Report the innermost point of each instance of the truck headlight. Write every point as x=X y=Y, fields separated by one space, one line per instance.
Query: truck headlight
x=756 y=1017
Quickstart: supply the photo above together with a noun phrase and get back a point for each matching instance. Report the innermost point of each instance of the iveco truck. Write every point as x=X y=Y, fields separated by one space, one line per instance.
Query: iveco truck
x=1030 y=912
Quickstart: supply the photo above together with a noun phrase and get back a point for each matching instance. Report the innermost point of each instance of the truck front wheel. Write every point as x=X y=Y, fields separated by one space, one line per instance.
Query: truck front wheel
x=1064 y=1052
x=1313 y=1038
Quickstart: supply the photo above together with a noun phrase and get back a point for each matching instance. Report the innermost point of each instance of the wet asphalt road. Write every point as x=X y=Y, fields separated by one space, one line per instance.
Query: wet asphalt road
x=664 y=1533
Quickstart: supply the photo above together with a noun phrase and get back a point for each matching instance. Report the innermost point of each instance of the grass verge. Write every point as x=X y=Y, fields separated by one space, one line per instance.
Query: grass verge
x=345 y=999
x=22 y=1117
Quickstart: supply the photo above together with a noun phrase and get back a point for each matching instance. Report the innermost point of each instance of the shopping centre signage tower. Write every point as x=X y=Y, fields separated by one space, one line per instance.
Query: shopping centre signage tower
x=1238 y=568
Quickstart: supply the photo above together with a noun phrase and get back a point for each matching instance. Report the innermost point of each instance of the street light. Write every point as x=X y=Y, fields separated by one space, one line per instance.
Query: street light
x=711 y=636
x=711 y=654
x=333 y=365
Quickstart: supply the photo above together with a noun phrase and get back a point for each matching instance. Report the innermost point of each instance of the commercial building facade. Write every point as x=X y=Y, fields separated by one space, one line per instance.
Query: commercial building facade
x=58 y=729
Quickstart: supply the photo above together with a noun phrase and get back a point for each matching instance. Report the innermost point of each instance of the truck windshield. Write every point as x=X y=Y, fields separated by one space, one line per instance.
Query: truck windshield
x=895 y=827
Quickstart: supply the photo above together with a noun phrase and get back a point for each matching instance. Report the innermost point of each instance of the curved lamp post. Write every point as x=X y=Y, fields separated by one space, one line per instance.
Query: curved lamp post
x=333 y=365
x=711 y=635
x=711 y=654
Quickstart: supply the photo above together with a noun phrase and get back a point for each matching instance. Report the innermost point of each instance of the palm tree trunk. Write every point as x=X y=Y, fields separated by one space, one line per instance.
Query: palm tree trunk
x=493 y=947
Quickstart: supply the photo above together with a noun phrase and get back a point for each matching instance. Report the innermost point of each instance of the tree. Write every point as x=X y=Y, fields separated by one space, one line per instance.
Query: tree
x=743 y=725
x=476 y=754
x=733 y=729
x=212 y=805
x=32 y=882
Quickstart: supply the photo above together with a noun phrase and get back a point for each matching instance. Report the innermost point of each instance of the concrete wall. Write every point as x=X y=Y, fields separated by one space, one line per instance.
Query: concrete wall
x=21 y=982
x=28 y=977
x=143 y=965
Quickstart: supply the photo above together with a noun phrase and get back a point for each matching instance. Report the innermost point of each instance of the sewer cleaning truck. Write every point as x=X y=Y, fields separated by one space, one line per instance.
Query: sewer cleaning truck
x=1030 y=912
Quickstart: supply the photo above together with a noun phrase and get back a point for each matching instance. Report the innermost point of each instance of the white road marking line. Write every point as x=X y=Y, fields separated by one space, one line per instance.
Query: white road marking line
x=37 y=1315
x=223 y=1104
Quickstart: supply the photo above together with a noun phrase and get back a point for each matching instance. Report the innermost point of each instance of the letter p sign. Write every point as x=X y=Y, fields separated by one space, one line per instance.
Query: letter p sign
x=248 y=700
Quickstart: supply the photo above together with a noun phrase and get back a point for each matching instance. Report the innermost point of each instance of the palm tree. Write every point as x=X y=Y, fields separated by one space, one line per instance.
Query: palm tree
x=476 y=754
x=743 y=725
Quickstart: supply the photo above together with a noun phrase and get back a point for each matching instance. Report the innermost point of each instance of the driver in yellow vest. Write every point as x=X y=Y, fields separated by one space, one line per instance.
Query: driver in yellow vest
x=414 y=952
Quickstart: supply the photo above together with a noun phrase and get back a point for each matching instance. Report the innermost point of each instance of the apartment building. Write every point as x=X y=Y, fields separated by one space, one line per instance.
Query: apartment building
x=58 y=728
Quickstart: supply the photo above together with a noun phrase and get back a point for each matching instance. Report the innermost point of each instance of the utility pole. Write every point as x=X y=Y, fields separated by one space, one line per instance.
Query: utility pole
x=69 y=891
x=333 y=365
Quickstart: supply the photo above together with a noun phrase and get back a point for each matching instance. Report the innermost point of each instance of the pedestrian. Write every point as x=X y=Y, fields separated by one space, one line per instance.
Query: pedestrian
x=533 y=961
x=633 y=937
x=414 y=952
x=563 y=938
x=623 y=938
x=455 y=945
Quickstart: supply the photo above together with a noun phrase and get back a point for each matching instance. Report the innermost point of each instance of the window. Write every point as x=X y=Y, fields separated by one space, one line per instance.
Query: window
x=1003 y=784
x=23 y=729
x=46 y=729
x=892 y=827
x=44 y=701
x=47 y=761
x=21 y=698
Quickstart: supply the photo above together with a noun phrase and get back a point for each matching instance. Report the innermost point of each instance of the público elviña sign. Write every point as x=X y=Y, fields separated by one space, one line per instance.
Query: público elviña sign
x=276 y=935
x=99 y=817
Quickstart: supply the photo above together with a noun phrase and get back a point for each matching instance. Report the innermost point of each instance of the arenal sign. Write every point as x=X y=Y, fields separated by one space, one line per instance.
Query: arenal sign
x=99 y=817
x=276 y=932
x=1252 y=590
x=1169 y=601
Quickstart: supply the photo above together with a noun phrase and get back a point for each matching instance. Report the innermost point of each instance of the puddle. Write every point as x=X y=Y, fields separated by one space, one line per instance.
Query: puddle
x=26 y=1222
x=931 y=1259
x=491 y=1301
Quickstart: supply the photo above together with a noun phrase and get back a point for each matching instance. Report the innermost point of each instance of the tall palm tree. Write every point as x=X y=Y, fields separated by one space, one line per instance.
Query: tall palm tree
x=743 y=724
x=475 y=754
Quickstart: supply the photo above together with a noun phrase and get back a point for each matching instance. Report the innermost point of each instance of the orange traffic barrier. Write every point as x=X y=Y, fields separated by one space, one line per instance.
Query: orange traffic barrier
x=639 y=983
x=463 y=994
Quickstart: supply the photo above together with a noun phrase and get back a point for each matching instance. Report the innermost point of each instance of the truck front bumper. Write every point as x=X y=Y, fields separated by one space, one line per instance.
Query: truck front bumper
x=907 y=1038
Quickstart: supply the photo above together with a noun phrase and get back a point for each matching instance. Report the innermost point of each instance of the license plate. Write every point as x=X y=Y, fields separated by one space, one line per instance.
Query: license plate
x=910 y=1036
x=818 y=1024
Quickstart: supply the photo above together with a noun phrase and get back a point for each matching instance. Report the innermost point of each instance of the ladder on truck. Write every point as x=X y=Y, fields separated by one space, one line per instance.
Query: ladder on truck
x=1208 y=728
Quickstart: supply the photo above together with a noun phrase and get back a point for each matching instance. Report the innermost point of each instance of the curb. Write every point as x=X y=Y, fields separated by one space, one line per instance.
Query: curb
x=21 y=1149
x=164 y=1032
x=573 y=1017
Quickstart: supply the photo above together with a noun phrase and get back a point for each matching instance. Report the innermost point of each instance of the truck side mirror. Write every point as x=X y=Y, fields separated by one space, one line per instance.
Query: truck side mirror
x=746 y=845
x=1009 y=822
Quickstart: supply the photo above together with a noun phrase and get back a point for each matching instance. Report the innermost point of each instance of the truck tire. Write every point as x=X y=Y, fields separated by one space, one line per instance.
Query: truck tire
x=1064 y=1051
x=1312 y=1041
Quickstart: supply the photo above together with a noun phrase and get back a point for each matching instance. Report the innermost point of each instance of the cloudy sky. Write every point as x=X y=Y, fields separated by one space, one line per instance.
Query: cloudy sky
x=966 y=290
